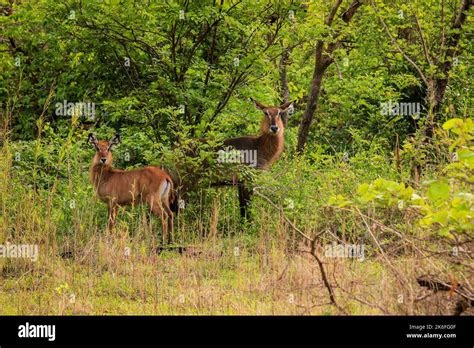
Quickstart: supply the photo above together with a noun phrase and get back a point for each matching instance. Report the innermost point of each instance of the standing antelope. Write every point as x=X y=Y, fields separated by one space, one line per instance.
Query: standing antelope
x=116 y=187
x=268 y=145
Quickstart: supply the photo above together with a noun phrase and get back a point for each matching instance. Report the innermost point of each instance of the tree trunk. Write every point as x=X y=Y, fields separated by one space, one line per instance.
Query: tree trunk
x=436 y=88
x=307 y=118
x=285 y=92
x=323 y=60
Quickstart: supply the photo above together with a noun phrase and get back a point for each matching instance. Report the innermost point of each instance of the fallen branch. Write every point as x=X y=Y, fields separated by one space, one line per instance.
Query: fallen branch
x=312 y=252
x=438 y=285
x=467 y=298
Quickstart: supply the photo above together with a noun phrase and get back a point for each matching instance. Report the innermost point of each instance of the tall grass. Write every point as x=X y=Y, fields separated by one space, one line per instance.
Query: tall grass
x=224 y=267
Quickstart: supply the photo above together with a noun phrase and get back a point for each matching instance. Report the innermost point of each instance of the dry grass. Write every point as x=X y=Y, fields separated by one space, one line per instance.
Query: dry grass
x=227 y=267
x=114 y=273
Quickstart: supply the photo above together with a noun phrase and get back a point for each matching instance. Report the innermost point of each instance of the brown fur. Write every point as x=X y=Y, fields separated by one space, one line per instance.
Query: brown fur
x=269 y=145
x=129 y=187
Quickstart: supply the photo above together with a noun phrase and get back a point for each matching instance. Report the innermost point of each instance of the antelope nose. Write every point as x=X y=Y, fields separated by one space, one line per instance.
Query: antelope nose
x=103 y=160
x=274 y=129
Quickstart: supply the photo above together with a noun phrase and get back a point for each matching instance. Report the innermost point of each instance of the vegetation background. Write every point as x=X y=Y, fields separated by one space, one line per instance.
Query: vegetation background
x=162 y=73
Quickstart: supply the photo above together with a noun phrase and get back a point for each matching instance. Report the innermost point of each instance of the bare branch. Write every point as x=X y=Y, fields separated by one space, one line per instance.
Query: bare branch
x=394 y=41
x=425 y=48
x=313 y=249
x=349 y=13
x=453 y=39
x=329 y=19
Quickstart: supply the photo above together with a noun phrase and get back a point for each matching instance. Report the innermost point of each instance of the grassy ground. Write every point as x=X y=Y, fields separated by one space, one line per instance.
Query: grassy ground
x=115 y=274
x=226 y=268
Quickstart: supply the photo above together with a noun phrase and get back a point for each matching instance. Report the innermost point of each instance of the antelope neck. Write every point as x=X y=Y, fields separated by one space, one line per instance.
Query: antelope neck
x=99 y=171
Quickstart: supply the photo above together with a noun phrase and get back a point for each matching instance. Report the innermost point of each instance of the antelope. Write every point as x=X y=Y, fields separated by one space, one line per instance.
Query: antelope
x=268 y=145
x=147 y=185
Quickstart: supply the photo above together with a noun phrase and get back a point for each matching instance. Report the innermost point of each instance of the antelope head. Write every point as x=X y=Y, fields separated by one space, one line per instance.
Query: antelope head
x=103 y=148
x=272 y=122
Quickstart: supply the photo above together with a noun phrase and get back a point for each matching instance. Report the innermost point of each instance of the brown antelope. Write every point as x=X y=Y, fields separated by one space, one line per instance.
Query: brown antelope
x=147 y=185
x=267 y=146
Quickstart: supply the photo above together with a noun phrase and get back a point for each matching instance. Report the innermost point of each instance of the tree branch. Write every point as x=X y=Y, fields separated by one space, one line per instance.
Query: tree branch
x=313 y=249
x=423 y=42
x=399 y=49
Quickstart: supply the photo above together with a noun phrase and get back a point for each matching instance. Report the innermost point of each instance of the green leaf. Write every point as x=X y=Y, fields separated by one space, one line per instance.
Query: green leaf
x=454 y=122
x=439 y=190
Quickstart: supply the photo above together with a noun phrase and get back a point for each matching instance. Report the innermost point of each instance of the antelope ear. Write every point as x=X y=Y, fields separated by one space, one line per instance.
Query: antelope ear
x=287 y=106
x=257 y=104
x=92 y=139
x=114 y=141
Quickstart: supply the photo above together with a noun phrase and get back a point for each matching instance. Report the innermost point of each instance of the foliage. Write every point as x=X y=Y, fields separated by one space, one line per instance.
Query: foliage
x=445 y=203
x=174 y=79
